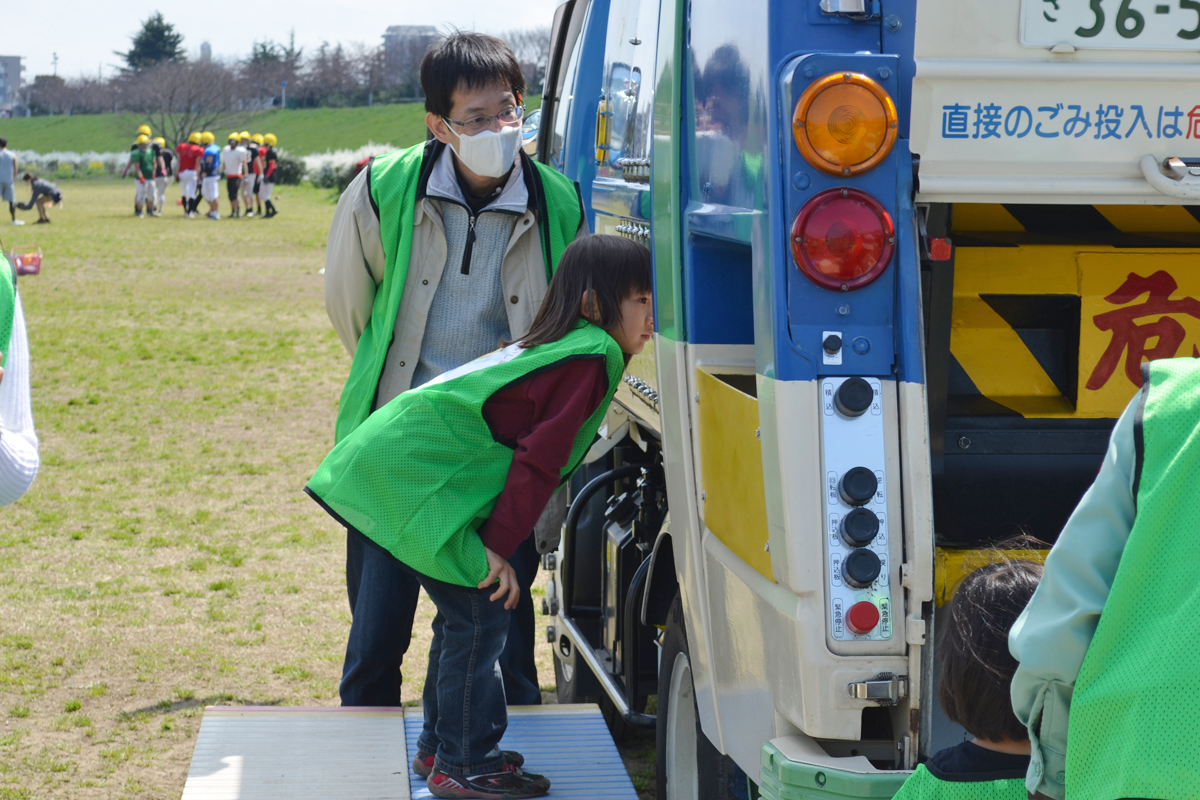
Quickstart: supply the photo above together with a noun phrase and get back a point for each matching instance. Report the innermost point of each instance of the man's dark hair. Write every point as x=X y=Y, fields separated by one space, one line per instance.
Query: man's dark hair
x=467 y=60
x=28 y=176
x=609 y=268
x=975 y=666
x=3 y=142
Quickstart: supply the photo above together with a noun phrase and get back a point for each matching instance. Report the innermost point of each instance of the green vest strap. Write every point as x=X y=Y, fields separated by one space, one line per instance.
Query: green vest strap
x=422 y=473
x=924 y=785
x=393 y=180
x=8 y=305
x=1135 y=700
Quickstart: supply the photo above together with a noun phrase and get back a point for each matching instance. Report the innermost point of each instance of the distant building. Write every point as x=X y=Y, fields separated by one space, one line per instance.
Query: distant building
x=10 y=84
x=205 y=51
x=403 y=48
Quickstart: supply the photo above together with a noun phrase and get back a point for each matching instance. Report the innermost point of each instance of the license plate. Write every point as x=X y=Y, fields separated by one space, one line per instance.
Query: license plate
x=1112 y=24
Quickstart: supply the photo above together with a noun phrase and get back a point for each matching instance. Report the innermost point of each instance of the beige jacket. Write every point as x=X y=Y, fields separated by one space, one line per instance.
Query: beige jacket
x=354 y=267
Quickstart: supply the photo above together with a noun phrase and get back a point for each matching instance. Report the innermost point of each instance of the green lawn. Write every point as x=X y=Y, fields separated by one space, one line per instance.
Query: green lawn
x=300 y=132
x=185 y=383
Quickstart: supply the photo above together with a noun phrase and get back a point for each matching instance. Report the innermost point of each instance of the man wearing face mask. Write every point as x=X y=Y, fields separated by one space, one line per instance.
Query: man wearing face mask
x=436 y=254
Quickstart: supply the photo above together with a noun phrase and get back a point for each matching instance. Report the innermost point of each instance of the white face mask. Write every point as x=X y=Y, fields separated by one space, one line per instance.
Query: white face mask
x=489 y=154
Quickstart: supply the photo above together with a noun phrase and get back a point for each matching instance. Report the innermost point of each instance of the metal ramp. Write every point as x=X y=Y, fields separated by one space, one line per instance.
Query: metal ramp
x=273 y=753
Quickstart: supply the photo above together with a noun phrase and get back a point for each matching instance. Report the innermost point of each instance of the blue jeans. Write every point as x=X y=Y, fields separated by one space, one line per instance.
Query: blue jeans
x=516 y=662
x=465 y=710
x=383 y=602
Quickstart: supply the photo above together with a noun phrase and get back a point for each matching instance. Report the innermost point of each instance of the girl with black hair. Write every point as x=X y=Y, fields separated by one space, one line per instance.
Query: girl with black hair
x=449 y=478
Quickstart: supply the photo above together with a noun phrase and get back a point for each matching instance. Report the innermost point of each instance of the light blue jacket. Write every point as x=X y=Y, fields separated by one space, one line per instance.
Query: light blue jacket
x=1052 y=635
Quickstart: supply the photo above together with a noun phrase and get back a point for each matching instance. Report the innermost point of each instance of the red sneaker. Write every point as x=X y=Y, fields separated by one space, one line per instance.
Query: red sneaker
x=508 y=783
x=423 y=764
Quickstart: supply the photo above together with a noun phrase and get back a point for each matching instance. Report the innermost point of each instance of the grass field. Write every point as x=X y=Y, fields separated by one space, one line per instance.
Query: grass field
x=185 y=381
x=300 y=131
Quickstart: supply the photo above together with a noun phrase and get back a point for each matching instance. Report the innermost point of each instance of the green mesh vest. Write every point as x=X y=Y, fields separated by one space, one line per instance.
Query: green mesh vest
x=1132 y=730
x=8 y=306
x=393 y=181
x=422 y=473
x=924 y=785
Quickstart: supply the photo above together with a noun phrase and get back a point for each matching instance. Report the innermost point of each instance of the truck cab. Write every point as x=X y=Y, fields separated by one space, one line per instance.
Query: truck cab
x=908 y=260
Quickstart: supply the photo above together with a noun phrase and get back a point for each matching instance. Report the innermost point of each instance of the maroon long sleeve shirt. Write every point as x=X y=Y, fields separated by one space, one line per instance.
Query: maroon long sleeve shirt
x=540 y=418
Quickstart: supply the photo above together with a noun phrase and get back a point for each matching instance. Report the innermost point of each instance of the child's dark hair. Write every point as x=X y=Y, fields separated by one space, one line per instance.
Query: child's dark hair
x=470 y=60
x=608 y=268
x=975 y=666
x=3 y=142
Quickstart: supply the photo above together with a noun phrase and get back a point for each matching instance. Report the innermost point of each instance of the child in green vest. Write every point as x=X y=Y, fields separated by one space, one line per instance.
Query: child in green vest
x=975 y=670
x=451 y=477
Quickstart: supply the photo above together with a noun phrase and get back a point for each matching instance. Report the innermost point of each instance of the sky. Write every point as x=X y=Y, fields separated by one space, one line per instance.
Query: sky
x=84 y=33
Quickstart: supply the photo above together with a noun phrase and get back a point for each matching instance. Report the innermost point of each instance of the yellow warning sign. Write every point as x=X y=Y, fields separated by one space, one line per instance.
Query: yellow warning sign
x=1136 y=307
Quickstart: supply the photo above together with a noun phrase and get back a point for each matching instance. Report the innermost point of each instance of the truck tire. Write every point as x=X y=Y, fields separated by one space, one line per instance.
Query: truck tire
x=688 y=767
x=575 y=683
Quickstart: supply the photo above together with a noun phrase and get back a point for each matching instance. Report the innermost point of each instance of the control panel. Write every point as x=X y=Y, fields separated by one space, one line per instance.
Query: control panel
x=860 y=599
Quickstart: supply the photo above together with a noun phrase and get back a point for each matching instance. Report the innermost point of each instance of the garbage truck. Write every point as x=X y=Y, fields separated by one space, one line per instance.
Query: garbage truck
x=908 y=260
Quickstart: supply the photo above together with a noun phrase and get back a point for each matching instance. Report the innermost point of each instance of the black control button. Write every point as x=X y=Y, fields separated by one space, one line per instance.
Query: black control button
x=858 y=486
x=832 y=344
x=859 y=527
x=853 y=397
x=860 y=569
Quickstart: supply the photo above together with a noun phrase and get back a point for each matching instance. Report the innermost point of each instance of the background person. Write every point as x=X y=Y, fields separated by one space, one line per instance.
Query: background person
x=45 y=193
x=269 y=162
x=482 y=246
x=249 y=174
x=162 y=174
x=8 y=180
x=144 y=163
x=975 y=675
x=143 y=130
x=233 y=166
x=189 y=153
x=260 y=148
x=451 y=477
x=210 y=186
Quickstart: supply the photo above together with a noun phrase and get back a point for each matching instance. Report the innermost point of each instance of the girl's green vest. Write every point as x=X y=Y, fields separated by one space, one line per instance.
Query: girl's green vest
x=8 y=306
x=422 y=473
x=393 y=180
x=924 y=785
x=1132 y=729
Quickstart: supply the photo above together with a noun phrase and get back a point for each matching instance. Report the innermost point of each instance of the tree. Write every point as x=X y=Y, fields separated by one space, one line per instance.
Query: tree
x=531 y=46
x=269 y=65
x=156 y=42
x=49 y=94
x=372 y=66
x=180 y=97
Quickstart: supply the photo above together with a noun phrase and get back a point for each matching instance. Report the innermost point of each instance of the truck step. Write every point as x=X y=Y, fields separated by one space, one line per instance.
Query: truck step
x=269 y=753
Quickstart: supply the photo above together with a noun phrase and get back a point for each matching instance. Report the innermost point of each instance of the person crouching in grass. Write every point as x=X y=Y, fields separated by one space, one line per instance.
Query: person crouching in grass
x=975 y=672
x=451 y=477
x=44 y=193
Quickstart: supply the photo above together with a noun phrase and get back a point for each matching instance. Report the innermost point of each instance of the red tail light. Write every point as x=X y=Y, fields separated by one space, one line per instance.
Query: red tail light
x=843 y=239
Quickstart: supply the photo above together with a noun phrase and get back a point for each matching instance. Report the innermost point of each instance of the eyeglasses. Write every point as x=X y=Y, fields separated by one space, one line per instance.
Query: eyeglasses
x=509 y=116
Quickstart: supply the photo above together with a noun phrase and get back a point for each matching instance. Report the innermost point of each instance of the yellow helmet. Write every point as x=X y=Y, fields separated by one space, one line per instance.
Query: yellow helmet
x=207 y=137
x=257 y=138
x=144 y=130
x=234 y=136
x=244 y=135
x=270 y=139
x=142 y=138
x=160 y=141
x=194 y=137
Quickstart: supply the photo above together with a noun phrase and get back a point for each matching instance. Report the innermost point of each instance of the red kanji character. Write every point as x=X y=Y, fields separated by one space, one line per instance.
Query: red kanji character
x=1129 y=337
x=1194 y=123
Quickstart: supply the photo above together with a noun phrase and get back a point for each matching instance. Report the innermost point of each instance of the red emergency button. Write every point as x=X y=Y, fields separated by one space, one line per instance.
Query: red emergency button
x=862 y=617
